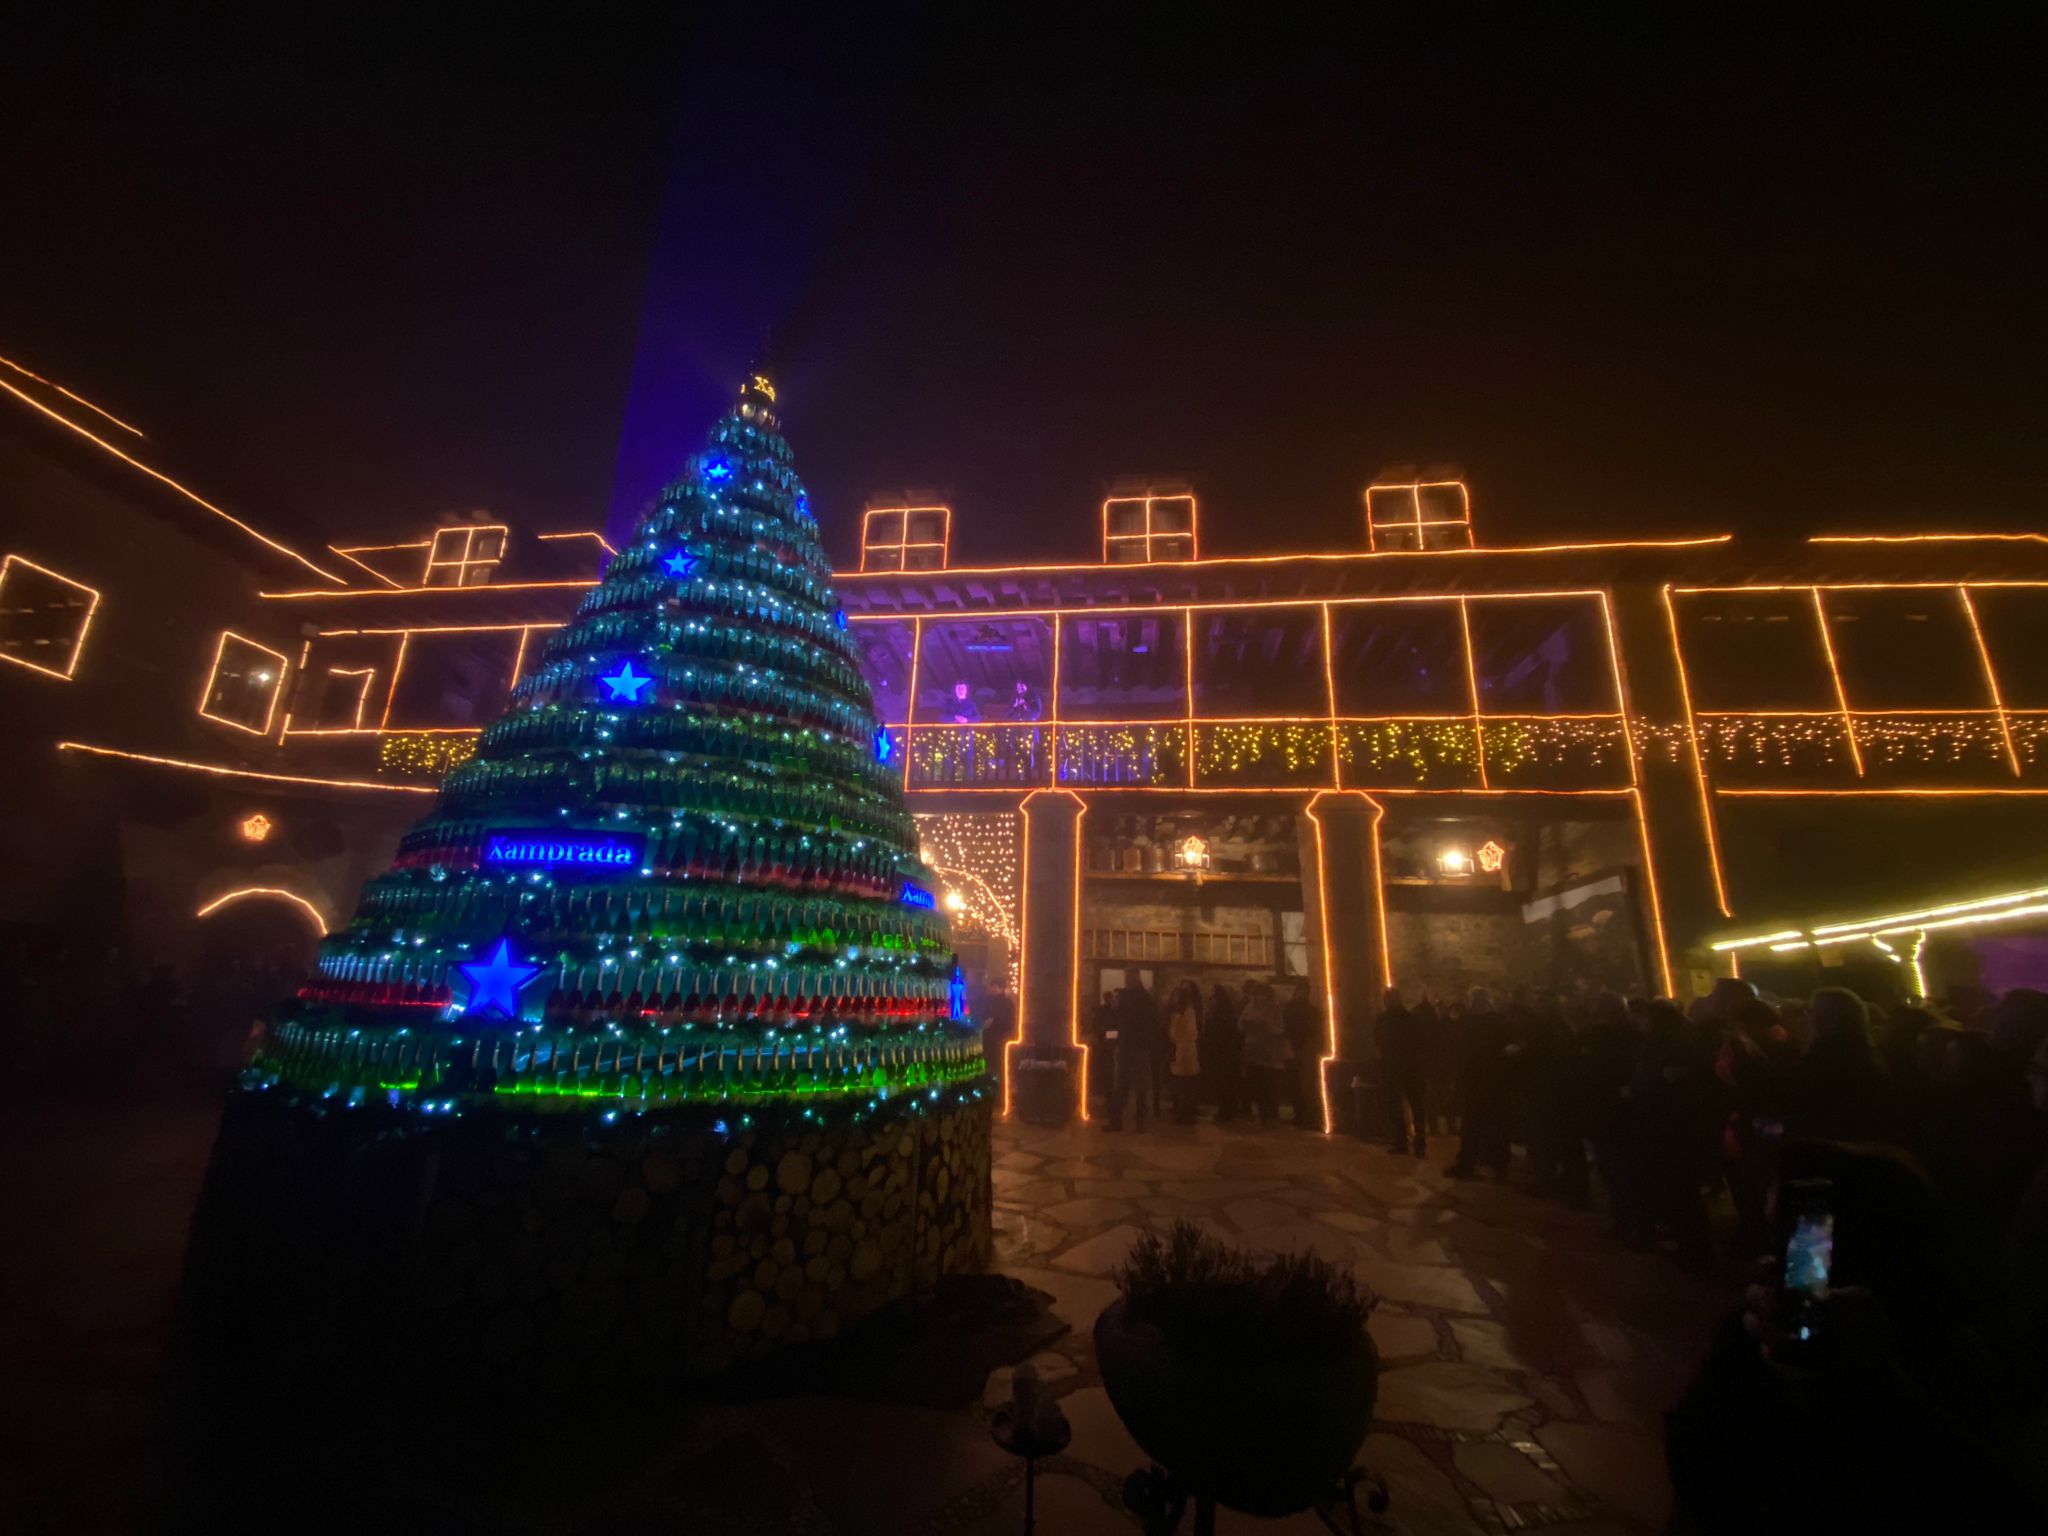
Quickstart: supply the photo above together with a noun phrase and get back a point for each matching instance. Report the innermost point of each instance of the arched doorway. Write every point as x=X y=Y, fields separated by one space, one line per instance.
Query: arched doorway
x=255 y=947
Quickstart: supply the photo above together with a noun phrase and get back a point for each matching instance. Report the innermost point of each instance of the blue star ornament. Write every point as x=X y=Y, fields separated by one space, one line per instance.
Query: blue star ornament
x=497 y=982
x=625 y=684
x=680 y=563
x=885 y=748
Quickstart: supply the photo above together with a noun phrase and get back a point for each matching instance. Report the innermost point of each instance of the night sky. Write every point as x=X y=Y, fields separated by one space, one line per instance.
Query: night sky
x=355 y=274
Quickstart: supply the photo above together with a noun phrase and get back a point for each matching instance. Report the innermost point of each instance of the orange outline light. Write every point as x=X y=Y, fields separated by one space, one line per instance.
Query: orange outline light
x=368 y=675
x=1330 y=695
x=1827 y=645
x=1916 y=791
x=1927 y=538
x=1656 y=902
x=222 y=771
x=582 y=534
x=461 y=564
x=1073 y=953
x=1248 y=791
x=1188 y=641
x=284 y=666
x=1472 y=683
x=1090 y=610
x=397 y=666
x=437 y=629
x=1146 y=538
x=1330 y=998
x=1859 y=586
x=91 y=608
x=1355 y=555
x=1699 y=766
x=213 y=906
x=396 y=730
x=501 y=586
x=903 y=544
x=910 y=711
x=2012 y=756
x=352 y=560
x=97 y=410
x=190 y=495
x=1414 y=490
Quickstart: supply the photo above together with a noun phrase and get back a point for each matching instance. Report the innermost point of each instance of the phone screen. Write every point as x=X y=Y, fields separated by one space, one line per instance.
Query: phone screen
x=1810 y=1254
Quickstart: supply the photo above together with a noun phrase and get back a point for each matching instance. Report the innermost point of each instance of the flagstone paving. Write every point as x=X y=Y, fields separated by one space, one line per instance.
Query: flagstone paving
x=1527 y=1360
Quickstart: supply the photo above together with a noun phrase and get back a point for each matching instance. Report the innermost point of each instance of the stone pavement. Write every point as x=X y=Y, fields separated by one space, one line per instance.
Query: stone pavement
x=1527 y=1359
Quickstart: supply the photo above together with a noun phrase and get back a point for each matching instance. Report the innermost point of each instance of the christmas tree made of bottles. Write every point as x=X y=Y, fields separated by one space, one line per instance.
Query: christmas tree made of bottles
x=678 y=869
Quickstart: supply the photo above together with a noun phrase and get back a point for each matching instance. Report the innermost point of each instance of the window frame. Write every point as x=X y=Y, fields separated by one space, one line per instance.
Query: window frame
x=277 y=683
x=84 y=626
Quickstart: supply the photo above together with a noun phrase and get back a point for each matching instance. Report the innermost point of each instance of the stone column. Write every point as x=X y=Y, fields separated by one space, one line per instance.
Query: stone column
x=1047 y=1020
x=1347 y=933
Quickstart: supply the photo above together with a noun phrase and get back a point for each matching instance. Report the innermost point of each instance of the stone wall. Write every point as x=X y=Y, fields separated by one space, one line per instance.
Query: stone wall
x=560 y=1252
x=1449 y=952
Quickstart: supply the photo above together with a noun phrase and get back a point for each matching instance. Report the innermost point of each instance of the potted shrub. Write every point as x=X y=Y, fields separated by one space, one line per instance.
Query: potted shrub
x=1249 y=1378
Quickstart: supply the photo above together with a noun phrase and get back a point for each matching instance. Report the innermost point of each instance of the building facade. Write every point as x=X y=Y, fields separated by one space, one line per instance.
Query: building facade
x=1424 y=760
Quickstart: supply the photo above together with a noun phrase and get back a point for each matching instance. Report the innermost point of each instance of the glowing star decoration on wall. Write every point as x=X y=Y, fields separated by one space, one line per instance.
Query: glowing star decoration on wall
x=625 y=684
x=681 y=563
x=1492 y=856
x=255 y=828
x=495 y=984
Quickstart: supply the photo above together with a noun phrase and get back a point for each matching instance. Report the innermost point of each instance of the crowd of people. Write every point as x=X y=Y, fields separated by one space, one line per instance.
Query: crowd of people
x=1914 y=1387
x=1927 y=1140
x=1247 y=1053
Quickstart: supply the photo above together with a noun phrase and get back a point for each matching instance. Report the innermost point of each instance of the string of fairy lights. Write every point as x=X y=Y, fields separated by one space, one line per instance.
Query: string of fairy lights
x=422 y=754
x=978 y=856
x=1422 y=752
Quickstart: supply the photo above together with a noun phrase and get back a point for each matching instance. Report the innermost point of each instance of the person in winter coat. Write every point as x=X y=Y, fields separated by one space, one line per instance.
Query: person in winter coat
x=1183 y=1037
x=1403 y=1057
x=1267 y=1054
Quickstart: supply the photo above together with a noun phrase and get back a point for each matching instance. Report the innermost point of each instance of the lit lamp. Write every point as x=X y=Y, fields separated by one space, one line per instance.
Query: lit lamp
x=1451 y=860
x=255 y=828
x=955 y=902
x=1194 y=856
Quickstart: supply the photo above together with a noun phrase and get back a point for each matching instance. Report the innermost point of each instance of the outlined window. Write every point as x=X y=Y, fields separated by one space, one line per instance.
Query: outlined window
x=464 y=556
x=344 y=699
x=1140 y=529
x=1006 y=665
x=1399 y=659
x=1905 y=648
x=1418 y=515
x=1535 y=656
x=1258 y=662
x=2012 y=621
x=243 y=688
x=1123 y=666
x=1752 y=650
x=905 y=538
x=43 y=617
x=451 y=678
